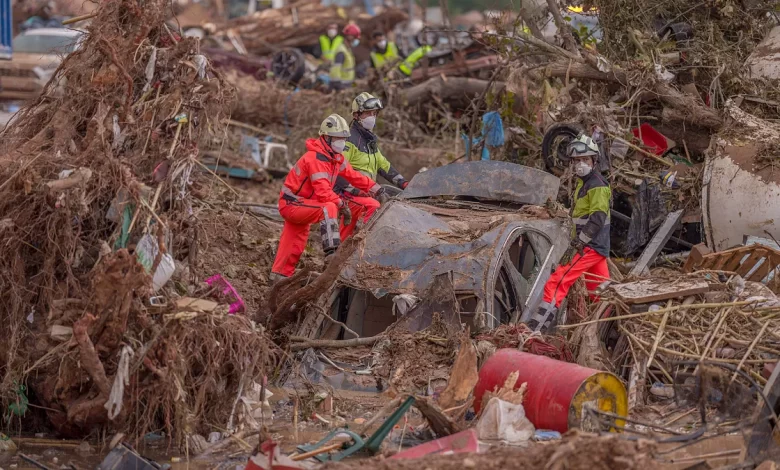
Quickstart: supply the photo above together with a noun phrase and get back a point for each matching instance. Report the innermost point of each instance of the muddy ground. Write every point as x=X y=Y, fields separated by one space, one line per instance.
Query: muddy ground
x=576 y=452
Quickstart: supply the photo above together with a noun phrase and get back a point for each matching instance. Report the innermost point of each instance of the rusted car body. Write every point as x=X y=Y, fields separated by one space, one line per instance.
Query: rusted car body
x=471 y=235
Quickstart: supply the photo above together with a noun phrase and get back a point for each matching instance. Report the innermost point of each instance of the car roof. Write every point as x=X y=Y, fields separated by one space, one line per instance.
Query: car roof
x=65 y=32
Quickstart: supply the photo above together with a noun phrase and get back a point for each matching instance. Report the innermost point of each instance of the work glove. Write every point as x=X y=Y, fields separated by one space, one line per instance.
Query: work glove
x=578 y=246
x=382 y=196
x=345 y=213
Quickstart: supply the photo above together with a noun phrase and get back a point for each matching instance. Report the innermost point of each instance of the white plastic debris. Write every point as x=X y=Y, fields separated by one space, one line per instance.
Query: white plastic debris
x=506 y=422
x=119 y=136
x=404 y=303
x=122 y=379
x=663 y=74
x=150 y=66
x=146 y=251
x=201 y=62
x=619 y=148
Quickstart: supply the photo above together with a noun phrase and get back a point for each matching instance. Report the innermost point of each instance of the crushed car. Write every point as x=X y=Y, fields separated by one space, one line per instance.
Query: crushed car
x=36 y=55
x=472 y=241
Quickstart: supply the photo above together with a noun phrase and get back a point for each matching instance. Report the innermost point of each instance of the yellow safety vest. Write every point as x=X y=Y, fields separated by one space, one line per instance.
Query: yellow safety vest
x=343 y=72
x=390 y=55
x=409 y=63
x=329 y=47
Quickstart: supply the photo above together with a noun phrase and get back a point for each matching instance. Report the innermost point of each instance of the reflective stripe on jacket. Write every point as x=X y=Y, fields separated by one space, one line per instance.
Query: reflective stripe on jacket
x=590 y=213
x=410 y=62
x=315 y=173
x=390 y=55
x=343 y=68
x=329 y=46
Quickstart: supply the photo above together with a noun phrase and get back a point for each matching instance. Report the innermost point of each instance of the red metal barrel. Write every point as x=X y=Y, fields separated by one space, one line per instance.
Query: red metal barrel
x=557 y=391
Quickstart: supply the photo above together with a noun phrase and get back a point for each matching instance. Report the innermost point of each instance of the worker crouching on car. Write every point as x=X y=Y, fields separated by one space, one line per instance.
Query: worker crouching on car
x=307 y=197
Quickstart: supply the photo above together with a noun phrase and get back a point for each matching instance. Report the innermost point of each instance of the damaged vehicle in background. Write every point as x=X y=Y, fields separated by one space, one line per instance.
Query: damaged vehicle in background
x=36 y=55
x=468 y=241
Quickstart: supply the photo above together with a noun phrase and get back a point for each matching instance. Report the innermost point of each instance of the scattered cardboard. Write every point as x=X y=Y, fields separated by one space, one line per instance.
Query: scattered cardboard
x=463 y=377
x=197 y=305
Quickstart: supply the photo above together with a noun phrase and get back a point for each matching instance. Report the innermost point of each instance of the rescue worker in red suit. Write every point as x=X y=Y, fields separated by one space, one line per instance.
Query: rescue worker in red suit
x=590 y=244
x=307 y=197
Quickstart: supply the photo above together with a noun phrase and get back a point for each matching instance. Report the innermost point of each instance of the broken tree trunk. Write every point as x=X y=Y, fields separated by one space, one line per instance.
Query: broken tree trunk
x=686 y=108
x=285 y=313
x=564 y=30
x=458 y=89
x=305 y=343
x=680 y=106
x=440 y=423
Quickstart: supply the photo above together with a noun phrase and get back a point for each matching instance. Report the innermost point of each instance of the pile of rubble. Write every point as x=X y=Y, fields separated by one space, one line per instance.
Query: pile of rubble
x=102 y=206
x=299 y=24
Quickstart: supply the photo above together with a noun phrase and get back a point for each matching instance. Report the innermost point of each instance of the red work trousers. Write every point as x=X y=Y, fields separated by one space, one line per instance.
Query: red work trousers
x=564 y=277
x=298 y=218
x=360 y=207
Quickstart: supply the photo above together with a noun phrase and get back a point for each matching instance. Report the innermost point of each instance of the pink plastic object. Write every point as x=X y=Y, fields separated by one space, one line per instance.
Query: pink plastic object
x=227 y=290
x=465 y=441
x=654 y=141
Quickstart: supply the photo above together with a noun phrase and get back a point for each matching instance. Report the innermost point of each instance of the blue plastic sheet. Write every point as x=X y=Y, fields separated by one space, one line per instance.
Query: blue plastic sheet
x=492 y=134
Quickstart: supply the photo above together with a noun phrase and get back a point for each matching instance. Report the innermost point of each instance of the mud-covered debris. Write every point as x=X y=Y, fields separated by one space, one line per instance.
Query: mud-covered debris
x=412 y=362
x=575 y=451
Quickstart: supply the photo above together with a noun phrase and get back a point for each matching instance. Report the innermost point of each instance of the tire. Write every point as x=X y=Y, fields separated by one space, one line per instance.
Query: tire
x=554 y=146
x=288 y=65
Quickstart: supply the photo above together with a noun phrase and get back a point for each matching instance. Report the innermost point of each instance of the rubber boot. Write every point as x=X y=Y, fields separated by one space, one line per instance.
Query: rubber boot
x=276 y=277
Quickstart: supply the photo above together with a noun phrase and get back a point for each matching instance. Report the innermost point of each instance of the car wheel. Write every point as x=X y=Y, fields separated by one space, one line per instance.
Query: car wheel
x=288 y=65
x=554 y=144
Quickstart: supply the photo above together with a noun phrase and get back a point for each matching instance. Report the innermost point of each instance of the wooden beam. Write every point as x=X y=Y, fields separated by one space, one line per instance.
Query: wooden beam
x=658 y=242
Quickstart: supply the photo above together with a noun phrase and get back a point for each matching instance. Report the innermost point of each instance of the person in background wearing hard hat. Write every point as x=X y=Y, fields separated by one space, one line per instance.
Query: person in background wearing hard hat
x=362 y=149
x=307 y=197
x=384 y=52
x=329 y=42
x=591 y=217
x=342 y=71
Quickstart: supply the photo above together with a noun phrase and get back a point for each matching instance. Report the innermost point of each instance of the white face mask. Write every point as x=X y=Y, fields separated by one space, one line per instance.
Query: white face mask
x=582 y=169
x=368 y=123
x=355 y=42
x=338 y=145
x=332 y=33
x=381 y=44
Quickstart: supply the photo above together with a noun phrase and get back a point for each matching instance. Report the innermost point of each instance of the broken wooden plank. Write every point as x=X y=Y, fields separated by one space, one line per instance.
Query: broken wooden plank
x=750 y=263
x=440 y=423
x=735 y=259
x=657 y=243
x=698 y=253
x=762 y=271
x=654 y=290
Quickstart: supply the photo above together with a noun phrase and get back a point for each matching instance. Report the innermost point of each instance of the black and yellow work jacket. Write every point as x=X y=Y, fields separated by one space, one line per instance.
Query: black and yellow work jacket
x=362 y=152
x=590 y=212
x=389 y=56
x=329 y=46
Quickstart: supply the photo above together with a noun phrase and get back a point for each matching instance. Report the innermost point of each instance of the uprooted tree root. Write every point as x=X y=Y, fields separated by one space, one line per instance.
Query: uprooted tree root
x=106 y=155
